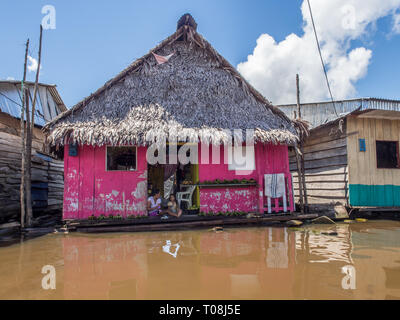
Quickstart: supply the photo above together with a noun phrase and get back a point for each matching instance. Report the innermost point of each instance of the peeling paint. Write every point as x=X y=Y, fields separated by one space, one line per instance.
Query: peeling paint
x=141 y=190
x=229 y=199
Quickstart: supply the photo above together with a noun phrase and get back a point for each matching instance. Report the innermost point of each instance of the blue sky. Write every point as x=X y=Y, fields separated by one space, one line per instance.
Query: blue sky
x=95 y=40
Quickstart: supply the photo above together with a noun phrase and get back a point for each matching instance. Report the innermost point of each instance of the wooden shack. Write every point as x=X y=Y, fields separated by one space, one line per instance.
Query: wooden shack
x=353 y=158
x=47 y=171
x=181 y=88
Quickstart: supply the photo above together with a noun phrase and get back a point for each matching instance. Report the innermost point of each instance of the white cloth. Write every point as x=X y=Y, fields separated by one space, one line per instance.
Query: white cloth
x=275 y=185
x=154 y=203
x=169 y=186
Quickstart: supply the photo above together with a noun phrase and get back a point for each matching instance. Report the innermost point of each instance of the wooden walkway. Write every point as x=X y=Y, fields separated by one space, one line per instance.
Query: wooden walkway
x=184 y=222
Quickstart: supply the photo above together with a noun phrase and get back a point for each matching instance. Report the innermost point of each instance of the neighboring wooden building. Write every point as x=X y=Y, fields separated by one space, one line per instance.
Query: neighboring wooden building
x=353 y=158
x=195 y=95
x=47 y=172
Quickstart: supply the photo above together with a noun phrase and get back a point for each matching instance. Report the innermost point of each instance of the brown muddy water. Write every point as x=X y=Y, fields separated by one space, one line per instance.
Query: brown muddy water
x=361 y=262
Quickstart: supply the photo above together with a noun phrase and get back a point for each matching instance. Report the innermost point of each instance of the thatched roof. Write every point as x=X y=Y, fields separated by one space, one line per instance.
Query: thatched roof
x=197 y=94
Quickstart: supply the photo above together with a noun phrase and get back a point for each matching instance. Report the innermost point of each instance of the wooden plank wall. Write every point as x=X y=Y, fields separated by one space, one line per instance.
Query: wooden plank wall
x=363 y=169
x=47 y=177
x=325 y=154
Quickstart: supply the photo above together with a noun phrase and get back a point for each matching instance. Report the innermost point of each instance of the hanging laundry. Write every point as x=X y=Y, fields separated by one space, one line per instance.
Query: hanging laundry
x=162 y=59
x=275 y=185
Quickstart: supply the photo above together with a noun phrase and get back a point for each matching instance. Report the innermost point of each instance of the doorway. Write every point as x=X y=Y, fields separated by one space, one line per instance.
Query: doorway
x=173 y=178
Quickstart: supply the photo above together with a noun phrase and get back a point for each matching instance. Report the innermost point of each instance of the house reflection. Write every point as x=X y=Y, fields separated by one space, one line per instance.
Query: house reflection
x=104 y=267
x=254 y=263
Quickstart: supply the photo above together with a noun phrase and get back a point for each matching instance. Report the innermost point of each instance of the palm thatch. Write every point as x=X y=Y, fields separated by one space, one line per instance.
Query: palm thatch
x=197 y=95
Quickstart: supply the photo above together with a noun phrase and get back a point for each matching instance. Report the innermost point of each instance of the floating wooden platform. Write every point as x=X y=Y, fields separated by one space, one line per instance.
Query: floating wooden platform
x=184 y=222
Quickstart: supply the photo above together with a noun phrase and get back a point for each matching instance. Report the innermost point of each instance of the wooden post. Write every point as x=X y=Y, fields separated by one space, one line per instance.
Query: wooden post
x=29 y=217
x=301 y=170
x=304 y=179
x=27 y=171
x=298 y=96
x=37 y=78
x=299 y=179
x=22 y=186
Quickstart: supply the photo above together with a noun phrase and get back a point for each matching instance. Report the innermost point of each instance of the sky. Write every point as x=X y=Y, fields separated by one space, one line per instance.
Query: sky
x=268 y=41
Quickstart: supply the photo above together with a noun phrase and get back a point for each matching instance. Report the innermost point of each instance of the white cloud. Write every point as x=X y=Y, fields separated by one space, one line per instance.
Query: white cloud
x=272 y=66
x=32 y=64
x=396 y=23
x=10 y=78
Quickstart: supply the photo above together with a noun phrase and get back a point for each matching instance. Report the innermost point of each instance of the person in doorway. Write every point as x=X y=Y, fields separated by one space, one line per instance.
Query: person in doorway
x=154 y=203
x=173 y=207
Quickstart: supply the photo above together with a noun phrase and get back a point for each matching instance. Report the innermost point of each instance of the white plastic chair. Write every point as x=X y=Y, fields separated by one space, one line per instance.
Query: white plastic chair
x=185 y=196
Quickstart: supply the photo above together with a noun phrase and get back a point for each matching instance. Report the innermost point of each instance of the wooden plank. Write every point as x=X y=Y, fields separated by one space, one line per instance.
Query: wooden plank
x=388 y=173
x=193 y=224
x=337 y=143
x=379 y=136
x=324 y=171
x=323 y=163
x=326 y=185
x=326 y=201
x=323 y=154
x=371 y=145
x=352 y=149
x=325 y=193
x=324 y=178
x=360 y=156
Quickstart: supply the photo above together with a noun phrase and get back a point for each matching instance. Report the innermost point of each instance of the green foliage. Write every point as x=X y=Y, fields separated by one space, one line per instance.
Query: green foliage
x=234 y=181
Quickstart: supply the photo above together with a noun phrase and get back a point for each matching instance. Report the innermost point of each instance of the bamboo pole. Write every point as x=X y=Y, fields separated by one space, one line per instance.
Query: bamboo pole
x=22 y=186
x=29 y=219
x=300 y=154
x=304 y=179
x=28 y=152
x=298 y=96
x=300 y=179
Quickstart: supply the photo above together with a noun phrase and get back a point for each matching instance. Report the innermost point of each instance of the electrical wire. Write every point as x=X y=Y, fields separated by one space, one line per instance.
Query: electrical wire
x=322 y=60
x=10 y=99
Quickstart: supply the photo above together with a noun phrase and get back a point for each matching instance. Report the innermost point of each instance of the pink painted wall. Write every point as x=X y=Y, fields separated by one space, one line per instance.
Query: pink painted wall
x=90 y=189
x=229 y=199
x=269 y=158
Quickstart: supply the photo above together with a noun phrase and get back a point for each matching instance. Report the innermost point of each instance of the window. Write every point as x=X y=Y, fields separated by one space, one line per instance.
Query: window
x=121 y=159
x=387 y=154
x=241 y=158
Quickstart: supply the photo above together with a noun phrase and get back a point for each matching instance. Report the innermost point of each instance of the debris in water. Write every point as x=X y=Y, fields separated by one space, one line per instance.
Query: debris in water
x=217 y=229
x=332 y=233
x=294 y=223
x=323 y=220
x=341 y=212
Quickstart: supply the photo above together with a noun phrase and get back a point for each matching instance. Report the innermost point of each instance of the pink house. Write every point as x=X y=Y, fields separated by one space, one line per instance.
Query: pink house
x=183 y=93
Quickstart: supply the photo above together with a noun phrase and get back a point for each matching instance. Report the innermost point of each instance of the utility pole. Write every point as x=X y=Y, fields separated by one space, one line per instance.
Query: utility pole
x=298 y=96
x=28 y=177
x=22 y=187
x=300 y=158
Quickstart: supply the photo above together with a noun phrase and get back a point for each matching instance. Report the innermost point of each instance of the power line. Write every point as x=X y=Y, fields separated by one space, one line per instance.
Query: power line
x=10 y=99
x=320 y=55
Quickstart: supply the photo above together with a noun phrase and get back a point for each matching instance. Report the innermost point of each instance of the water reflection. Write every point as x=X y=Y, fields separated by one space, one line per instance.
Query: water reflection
x=254 y=263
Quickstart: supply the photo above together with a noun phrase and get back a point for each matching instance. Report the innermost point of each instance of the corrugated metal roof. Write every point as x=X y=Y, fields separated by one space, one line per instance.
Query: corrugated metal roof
x=318 y=113
x=49 y=103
